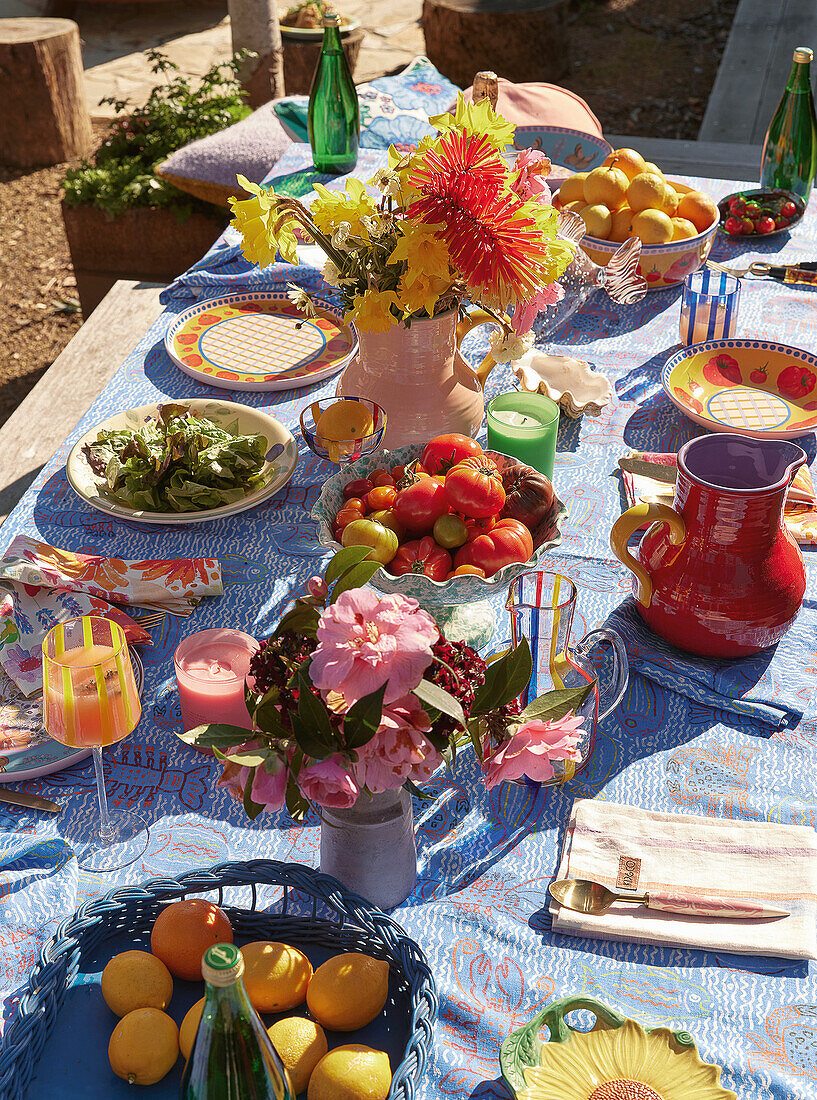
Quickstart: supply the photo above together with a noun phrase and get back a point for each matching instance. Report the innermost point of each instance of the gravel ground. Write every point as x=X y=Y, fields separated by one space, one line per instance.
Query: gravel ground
x=644 y=66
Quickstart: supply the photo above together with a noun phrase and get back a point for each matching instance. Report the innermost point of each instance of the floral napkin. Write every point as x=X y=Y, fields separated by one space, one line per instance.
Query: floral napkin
x=41 y=585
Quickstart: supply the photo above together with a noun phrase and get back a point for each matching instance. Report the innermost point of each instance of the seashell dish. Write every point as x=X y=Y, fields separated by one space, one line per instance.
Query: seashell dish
x=571 y=383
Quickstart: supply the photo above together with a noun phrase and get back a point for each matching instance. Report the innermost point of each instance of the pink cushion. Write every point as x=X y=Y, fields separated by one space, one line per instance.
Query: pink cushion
x=544 y=105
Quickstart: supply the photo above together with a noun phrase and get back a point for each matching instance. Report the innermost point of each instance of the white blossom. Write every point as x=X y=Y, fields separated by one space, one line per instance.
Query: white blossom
x=507 y=346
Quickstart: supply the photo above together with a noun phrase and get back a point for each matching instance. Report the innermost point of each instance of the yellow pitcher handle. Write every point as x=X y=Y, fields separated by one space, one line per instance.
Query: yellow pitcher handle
x=472 y=320
x=629 y=522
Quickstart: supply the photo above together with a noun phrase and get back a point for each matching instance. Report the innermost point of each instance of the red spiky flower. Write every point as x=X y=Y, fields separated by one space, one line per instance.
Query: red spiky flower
x=492 y=236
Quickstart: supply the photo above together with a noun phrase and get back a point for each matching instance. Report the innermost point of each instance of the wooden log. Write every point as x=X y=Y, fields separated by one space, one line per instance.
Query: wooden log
x=43 y=119
x=301 y=59
x=522 y=40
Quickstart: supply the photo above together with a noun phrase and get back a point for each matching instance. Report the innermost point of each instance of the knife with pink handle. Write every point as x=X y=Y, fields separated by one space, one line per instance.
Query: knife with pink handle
x=586 y=896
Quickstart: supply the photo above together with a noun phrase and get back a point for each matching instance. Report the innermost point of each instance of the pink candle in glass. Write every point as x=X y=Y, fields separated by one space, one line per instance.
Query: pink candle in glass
x=211 y=668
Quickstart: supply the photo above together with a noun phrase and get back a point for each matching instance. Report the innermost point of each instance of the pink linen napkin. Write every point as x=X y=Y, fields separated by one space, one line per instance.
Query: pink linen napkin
x=626 y=848
x=42 y=585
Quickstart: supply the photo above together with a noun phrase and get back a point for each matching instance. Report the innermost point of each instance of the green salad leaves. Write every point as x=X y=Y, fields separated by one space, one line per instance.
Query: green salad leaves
x=177 y=463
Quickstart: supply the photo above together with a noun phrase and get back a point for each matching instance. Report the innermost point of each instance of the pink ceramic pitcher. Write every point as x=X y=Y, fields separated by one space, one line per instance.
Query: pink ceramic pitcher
x=718 y=574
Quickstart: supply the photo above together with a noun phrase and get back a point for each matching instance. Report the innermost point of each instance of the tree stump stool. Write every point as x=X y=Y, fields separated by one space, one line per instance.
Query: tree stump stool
x=43 y=117
x=522 y=40
x=301 y=58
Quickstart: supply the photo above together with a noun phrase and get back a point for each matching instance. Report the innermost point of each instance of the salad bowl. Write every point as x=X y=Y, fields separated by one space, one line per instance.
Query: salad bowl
x=279 y=464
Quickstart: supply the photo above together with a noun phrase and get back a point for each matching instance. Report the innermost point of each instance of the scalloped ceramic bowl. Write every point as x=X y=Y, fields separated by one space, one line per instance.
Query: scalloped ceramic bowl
x=436 y=596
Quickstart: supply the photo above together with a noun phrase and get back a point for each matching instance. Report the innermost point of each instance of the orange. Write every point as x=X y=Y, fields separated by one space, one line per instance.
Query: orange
x=622 y=228
x=699 y=208
x=649 y=192
x=190 y=1027
x=627 y=161
x=682 y=228
x=183 y=932
x=275 y=975
x=652 y=227
x=348 y=991
x=606 y=186
x=572 y=189
x=597 y=220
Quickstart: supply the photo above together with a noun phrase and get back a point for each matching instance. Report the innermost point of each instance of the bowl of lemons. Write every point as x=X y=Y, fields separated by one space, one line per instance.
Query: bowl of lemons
x=627 y=196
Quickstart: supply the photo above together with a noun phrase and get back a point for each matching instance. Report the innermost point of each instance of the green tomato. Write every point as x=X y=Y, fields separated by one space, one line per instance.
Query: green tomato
x=386 y=518
x=450 y=532
x=364 y=532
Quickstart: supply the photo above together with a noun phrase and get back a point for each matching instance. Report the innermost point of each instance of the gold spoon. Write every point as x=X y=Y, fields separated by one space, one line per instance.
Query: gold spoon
x=586 y=896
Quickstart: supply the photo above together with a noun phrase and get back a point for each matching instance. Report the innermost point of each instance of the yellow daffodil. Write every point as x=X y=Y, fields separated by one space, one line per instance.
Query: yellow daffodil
x=331 y=208
x=477 y=119
x=623 y=1063
x=422 y=250
x=371 y=312
x=420 y=291
x=254 y=218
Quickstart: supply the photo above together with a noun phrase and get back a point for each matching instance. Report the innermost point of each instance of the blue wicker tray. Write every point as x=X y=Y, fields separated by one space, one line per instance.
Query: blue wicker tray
x=56 y=1045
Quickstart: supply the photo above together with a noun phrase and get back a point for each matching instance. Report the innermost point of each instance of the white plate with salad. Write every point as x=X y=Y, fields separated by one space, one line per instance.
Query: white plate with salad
x=181 y=462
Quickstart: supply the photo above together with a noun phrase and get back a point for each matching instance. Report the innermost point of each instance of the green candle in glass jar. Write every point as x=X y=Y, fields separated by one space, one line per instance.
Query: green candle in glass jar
x=524 y=425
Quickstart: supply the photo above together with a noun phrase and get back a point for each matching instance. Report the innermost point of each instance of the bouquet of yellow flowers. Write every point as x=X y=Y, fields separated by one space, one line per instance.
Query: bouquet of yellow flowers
x=454 y=222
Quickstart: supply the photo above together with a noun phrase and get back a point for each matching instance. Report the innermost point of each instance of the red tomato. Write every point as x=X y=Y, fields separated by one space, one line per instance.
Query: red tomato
x=509 y=541
x=474 y=487
x=528 y=496
x=382 y=496
x=416 y=468
x=355 y=502
x=421 y=556
x=346 y=516
x=419 y=506
x=468 y=571
x=383 y=480
x=358 y=488
x=445 y=451
x=477 y=527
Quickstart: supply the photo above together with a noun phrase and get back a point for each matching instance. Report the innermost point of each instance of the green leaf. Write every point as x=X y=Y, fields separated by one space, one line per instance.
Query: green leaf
x=308 y=742
x=303 y=619
x=438 y=697
x=505 y=679
x=216 y=734
x=355 y=577
x=246 y=759
x=363 y=719
x=251 y=808
x=297 y=805
x=266 y=715
x=438 y=740
x=343 y=560
x=476 y=732
x=313 y=712
x=556 y=704
x=413 y=789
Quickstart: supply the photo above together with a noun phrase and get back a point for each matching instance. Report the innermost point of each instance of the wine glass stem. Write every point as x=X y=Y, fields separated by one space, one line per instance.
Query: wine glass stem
x=105 y=828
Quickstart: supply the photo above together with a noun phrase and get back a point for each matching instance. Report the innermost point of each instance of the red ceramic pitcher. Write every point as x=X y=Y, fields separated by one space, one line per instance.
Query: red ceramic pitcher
x=718 y=574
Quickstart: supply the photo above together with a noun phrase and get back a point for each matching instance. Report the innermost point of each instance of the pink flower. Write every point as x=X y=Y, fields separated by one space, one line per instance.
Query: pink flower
x=531 y=749
x=268 y=790
x=528 y=180
x=399 y=750
x=328 y=783
x=318 y=588
x=366 y=640
x=525 y=315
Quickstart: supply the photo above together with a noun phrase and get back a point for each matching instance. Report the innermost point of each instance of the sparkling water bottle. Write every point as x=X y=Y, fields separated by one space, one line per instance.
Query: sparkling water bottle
x=789 y=156
x=334 y=115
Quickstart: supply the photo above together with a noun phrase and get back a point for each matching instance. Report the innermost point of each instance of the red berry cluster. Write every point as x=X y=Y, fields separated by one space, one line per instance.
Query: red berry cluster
x=750 y=215
x=460 y=670
x=275 y=661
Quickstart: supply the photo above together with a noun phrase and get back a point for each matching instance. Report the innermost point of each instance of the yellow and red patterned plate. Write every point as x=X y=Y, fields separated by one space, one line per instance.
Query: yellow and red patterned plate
x=259 y=341
x=752 y=387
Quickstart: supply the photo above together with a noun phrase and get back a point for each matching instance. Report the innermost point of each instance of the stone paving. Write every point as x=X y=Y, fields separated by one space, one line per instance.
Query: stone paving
x=196 y=33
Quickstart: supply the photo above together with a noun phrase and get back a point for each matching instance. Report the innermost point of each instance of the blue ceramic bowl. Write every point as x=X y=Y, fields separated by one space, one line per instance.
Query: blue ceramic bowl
x=571 y=149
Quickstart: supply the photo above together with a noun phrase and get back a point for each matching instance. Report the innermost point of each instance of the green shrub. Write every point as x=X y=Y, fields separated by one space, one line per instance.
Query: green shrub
x=121 y=175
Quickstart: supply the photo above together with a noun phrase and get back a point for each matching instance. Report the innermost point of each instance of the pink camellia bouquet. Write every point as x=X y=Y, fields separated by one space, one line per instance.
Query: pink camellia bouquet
x=360 y=692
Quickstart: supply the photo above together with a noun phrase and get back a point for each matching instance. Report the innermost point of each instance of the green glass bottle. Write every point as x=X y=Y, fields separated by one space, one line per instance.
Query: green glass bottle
x=334 y=115
x=789 y=157
x=232 y=1057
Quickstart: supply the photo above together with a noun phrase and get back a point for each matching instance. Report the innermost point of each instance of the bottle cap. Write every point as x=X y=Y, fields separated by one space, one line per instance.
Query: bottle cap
x=222 y=964
x=331 y=19
x=803 y=53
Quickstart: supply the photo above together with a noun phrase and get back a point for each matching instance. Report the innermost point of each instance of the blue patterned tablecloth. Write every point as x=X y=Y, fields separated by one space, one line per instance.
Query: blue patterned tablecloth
x=480 y=909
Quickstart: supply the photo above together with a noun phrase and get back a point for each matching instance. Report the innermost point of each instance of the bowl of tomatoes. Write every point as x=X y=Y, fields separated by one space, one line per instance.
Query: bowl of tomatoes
x=449 y=522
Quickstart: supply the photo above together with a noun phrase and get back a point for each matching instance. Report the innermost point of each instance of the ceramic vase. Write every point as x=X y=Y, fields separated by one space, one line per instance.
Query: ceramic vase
x=370 y=847
x=419 y=377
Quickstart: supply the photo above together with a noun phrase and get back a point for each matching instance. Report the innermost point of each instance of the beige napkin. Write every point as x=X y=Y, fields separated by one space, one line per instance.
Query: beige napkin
x=699 y=855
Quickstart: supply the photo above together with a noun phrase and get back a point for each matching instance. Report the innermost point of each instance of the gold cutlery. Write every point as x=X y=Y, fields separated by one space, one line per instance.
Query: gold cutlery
x=31 y=801
x=586 y=896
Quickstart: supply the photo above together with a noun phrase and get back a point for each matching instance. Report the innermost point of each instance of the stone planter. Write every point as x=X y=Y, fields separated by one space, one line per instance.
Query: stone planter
x=301 y=59
x=147 y=244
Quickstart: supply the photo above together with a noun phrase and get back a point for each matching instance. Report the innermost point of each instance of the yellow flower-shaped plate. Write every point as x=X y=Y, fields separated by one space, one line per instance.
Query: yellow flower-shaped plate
x=617 y=1060
x=752 y=387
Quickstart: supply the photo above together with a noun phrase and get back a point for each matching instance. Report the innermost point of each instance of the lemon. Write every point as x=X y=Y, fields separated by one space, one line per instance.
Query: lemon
x=653 y=169
x=275 y=975
x=348 y=991
x=627 y=161
x=622 y=228
x=607 y=186
x=301 y=1044
x=344 y=420
x=649 y=192
x=351 y=1072
x=682 y=228
x=576 y=206
x=136 y=979
x=652 y=227
x=598 y=220
x=572 y=189
x=144 y=1046
x=190 y=1025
